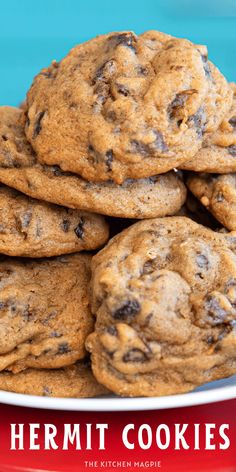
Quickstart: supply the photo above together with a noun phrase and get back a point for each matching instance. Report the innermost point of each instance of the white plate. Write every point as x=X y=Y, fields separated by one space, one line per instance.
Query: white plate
x=209 y=393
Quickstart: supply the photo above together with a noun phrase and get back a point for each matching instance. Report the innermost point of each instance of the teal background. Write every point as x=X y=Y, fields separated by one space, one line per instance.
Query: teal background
x=32 y=33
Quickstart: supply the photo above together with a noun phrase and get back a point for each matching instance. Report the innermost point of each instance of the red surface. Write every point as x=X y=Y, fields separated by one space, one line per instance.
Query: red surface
x=73 y=460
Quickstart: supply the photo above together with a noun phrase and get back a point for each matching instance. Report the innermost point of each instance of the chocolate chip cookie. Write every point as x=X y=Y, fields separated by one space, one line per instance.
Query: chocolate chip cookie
x=45 y=315
x=76 y=381
x=144 y=198
x=218 y=153
x=125 y=106
x=164 y=294
x=30 y=228
x=218 y=194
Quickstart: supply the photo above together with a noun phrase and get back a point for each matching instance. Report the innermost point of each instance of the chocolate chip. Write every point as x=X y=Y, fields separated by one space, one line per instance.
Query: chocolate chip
x=198 y=120
x=150 y=266
x=202 y=261
x=128 y=310
x=215 y=311
x=149 y=149
x=65 y=225
x=63 y=348
x=112 y=330
x=102 y=91
x=109 y=159
x=232 y=121
x=38 y=124
x=105 y=71
x=206 y=66
x=122 y=90
x=210 y=340
x=140 y=148
x=141 y=70
x=232 y=150
x=159 y=142
x=230 y=291
x=79 y=230
x=123 y=39
x=178 y=102
x=4 y=137
x=135 y=355
x=26 y=219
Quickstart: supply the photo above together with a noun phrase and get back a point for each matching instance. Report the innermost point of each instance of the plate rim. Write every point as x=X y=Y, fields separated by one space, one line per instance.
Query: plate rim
x=116 y=404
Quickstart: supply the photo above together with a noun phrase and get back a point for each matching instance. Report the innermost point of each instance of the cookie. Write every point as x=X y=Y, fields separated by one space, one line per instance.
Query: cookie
x=76 y=381
x=164 y=294
x=30 y=228
x=218 y=194
x=124 y=106
x=45 y=315
x=144 y=198
x=218 y=154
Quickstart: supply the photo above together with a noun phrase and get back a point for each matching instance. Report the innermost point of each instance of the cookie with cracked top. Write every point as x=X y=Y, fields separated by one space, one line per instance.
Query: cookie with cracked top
x=218 y=194
x=30 y=228
x=45 y=315
x=144 y=198
x=218 y=154
x=125 y=106
x=165 y=308
x=76 y=381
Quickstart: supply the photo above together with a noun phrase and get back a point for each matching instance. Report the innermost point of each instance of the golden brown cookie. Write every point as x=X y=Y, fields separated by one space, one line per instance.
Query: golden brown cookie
x=125 y=106
x=144 y=198
x=76 y=381
x=218 y=154
x=45 y=315
x=218 y=194
x=164 y=295
x=29 y=228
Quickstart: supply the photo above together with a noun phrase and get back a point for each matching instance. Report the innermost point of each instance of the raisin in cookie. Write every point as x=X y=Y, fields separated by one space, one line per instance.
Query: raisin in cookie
x=125 y=106
x=218 y=194
x=76 y=381
x=218 y=153
x=144 y=198
x=30 y=228
x=45 y=315
x=164 y=293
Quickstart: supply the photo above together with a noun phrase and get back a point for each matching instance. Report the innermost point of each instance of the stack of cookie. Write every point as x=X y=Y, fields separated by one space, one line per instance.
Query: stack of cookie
x=103 y=132
x=45 y=314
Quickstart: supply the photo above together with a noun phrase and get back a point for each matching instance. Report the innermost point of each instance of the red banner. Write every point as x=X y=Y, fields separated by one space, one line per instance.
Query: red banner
x=186 y=439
